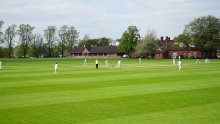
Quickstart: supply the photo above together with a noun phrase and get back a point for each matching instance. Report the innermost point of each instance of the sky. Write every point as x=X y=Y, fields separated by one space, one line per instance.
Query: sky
x=107 y=18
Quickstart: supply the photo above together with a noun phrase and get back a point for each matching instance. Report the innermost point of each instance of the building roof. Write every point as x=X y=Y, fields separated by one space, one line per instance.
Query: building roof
x=98 y=49
x=104 y=49
x=78 y=49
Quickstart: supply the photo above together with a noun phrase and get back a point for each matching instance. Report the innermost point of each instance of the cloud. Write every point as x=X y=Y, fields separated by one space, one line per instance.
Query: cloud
x=108 y=18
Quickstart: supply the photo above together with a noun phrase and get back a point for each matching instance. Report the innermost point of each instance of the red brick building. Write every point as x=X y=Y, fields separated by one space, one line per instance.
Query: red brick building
x=170 y=52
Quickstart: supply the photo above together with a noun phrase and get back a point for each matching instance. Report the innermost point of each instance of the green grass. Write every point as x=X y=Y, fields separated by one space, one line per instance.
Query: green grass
x=153 y=92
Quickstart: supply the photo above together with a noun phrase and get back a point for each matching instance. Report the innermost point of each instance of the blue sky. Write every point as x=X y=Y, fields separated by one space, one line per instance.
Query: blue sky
x=108 y=18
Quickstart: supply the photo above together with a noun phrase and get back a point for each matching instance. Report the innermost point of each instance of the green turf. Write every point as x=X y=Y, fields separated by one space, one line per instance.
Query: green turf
x=151 y=92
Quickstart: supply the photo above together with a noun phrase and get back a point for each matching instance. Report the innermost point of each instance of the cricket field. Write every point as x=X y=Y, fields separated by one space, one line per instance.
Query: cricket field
x=151 y=92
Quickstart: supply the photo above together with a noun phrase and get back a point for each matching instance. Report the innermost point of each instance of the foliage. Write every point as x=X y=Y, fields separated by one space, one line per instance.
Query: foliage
x=203 y=32
x=67 y=39
x=63 y=34
x=87 y=42
x=183 y=40
x=9 y=36
x=129 y=39
x=3 y=52
x=37 y=46
x=25 y=37
x=49 y=34
x=1 y=39
x=72 y=36
x=148 y=44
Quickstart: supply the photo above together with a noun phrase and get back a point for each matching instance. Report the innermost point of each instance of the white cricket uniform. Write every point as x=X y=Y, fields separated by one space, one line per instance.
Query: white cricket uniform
x=119 y=63
x=85 y=63
x=179 y=65
x=97 y=64
x=174 y=61
x=56 y=69
x=139 y=60
x=106 y=63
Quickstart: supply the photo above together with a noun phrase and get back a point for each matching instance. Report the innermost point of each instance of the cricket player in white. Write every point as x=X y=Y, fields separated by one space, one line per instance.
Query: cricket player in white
x=0 y=64
x=85 y=62
x=97 y=63
x=119 y=63
x=179 y=65
x=139 y=60
x=174 y=61
x=106 y=63
x=56 y=69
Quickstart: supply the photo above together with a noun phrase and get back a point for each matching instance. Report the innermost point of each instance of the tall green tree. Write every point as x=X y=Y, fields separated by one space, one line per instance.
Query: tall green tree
x=1 y=33
x=94 y=42
x=129 y=39
x=63 y=35
x=103 y=41
x=73 y=35
x=148 y=44
x=37 y=46
x=49 y=34
x=9 y=35
x=204 y=32
x=25 y=32
x=183 y=40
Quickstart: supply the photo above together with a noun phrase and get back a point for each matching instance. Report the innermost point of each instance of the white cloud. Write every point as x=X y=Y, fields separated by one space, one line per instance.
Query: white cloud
x=107 y=17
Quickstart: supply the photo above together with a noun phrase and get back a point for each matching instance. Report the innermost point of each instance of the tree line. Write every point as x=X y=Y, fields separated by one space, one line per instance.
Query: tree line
x=202 y=33
x=21 y=41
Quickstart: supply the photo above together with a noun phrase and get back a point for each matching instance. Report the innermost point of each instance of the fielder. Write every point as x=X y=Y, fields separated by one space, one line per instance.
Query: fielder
x=179 y=65
x=139 y=60
x=56 y=69
x=85 y=62
x=97 y=63
x=106 y=63
x=119 y=63
x=174 y=61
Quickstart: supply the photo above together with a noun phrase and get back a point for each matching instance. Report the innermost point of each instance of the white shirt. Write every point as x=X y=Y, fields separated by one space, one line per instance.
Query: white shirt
x=96 y=62
x=56 y=66
x=119 y=62
x=179 y=63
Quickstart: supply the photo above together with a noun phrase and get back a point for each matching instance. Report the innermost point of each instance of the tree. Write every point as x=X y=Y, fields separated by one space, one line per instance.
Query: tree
x=49 y=34
x=63 y=34
x=103 y=41
x=148 y=44
x=129 y=39
x=94 y=42
x=37 y=48
x=204 y=32
x=183 y=40
x=9 y=36
x=72 y=37
x=1 y=34
x=25 y=37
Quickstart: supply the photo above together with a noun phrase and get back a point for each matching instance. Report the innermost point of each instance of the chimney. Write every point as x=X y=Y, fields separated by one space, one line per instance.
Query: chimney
x=167 y=38
x=161 y=38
